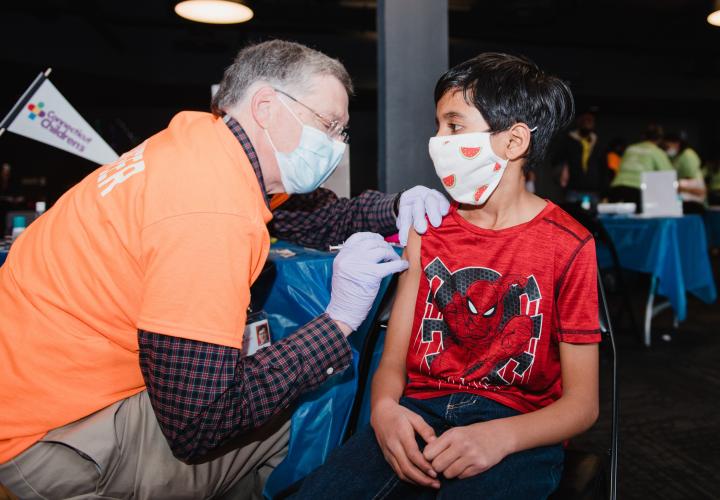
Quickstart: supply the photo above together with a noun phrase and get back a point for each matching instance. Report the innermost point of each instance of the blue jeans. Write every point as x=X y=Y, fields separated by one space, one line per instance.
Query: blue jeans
x=358 y=469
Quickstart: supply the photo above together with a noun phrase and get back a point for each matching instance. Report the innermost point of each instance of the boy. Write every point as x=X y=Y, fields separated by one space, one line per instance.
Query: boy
x=491 y=356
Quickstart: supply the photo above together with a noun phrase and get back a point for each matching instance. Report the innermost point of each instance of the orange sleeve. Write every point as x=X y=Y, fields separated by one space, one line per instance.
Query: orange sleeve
x=613 y=161
x=198 y=272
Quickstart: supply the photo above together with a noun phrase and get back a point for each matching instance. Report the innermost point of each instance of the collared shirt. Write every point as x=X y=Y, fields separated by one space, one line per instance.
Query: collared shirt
x=247 y=146
x=206 y=394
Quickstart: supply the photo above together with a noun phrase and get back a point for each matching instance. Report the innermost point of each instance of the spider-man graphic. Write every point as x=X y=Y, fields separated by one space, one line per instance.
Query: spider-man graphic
x=486 y=326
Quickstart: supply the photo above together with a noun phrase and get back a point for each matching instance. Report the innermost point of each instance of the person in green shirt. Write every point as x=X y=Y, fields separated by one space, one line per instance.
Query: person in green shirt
x=712 y=176
x=691 y=183
x=645 y=156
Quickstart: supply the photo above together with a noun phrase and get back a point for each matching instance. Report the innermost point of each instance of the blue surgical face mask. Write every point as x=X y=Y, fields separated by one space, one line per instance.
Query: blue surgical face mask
x=315 y=158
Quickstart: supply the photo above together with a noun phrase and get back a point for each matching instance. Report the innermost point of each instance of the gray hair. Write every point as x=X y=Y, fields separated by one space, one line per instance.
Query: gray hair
x=282 y=64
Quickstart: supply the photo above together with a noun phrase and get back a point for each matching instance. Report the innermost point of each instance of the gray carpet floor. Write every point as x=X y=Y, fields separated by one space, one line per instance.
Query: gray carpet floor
x=669 y=404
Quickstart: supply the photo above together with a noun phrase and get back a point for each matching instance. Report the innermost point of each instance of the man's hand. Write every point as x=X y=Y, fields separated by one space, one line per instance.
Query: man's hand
x=414 y=204
x=462 y=452
x=395 y=427
x=363 y=262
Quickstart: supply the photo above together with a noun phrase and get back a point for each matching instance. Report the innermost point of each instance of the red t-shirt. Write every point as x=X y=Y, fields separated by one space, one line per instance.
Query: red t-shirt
x=493 y=307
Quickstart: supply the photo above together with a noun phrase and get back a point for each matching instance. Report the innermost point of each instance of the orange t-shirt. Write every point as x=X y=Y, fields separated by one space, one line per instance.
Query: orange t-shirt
x=167 y=239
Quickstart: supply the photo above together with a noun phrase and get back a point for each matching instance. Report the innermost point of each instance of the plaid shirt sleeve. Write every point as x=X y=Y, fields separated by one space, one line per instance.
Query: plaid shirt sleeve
x=320 y=218
x=206 y=394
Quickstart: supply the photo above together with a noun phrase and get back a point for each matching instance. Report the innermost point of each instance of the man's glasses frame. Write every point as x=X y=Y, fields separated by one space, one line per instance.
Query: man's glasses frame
x=333 y=128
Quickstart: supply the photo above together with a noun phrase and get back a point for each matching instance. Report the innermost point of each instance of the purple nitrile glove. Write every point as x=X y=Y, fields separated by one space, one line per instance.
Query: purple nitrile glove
x=414 y=204
x=365 y=259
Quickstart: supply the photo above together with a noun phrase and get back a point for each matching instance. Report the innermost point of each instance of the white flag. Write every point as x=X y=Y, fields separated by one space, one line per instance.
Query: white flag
x=45 y=115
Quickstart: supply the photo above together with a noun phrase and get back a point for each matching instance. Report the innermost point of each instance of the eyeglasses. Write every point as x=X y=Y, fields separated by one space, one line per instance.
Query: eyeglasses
x=333 y=128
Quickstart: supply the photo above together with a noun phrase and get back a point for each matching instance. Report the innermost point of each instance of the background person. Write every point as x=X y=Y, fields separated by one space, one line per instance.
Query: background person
x=583 y=169
x=613 y=158
x=712 y=174
x=644 y=156
x=691 y=183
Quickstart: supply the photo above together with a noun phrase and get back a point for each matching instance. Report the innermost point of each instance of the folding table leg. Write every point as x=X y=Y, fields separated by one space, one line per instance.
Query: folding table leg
x=652 y=310
x=649 y=311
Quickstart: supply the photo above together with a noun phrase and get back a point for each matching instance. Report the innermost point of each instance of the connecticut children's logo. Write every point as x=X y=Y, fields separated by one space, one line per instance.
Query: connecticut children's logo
x=50 y=121
x=36 y=110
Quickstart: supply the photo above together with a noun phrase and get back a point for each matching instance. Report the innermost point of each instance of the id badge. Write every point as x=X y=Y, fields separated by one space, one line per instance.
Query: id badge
x=257 y=333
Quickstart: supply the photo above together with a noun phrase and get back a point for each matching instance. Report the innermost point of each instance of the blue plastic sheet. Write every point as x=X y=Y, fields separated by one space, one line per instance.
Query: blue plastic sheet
x=674 y=250
x=364 y=415
x=301 y=292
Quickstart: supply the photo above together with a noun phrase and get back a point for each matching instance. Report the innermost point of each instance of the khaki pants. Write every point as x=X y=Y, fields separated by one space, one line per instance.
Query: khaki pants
x=120 y=452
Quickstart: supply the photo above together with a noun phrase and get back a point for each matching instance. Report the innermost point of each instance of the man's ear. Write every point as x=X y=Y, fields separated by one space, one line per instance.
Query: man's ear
x=261 y=105
x=517 y=141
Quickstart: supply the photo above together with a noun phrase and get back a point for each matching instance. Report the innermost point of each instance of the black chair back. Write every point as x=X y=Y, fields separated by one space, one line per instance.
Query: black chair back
x=607 y=332
x=366 y=354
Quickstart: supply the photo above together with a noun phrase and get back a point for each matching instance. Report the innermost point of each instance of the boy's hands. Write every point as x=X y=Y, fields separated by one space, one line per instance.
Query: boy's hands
x=395 y=427
x=462 y=452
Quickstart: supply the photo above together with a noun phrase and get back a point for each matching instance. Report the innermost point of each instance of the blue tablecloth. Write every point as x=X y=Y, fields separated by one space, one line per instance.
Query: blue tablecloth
x=674 y=250
x=712 y=226
x=3 y=256
x=300 y=292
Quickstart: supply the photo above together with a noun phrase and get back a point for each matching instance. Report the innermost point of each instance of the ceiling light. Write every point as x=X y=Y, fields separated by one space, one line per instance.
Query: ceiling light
x=214 y=11
x=714 y=17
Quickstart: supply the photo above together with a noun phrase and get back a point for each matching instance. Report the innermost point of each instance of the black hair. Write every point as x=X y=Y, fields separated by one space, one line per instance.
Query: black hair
x=509 y=89
x=617 y=144
x=679 y=137
x=653 y=132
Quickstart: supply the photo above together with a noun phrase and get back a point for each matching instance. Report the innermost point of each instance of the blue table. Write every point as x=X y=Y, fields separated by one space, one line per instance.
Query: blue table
x=3 y=256
x=712 y=225
x=673 y=251
x=300 y=292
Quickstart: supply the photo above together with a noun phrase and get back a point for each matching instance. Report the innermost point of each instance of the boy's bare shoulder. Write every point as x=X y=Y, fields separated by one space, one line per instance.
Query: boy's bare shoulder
x=412 y=250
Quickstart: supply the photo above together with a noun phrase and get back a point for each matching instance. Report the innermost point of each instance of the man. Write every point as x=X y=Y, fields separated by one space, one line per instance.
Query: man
x=123 y=307
x=583 y=170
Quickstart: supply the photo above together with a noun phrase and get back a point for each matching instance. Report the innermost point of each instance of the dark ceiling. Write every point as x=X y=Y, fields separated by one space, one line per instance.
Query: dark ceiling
x=129 y=65
x=143 y=42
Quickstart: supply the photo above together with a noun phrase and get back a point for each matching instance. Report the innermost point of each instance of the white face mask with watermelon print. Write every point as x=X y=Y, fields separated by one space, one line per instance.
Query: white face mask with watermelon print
x=468 y=167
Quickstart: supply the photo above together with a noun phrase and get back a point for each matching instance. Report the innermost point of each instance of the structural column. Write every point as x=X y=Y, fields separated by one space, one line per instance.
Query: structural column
x=412 y=54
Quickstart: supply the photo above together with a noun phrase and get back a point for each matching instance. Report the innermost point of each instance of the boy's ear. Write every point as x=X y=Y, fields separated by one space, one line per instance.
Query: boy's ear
x=517 y=141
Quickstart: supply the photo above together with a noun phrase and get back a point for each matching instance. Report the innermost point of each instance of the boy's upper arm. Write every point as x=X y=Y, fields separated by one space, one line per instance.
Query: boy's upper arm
x=401 y=317
x=580 y=369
